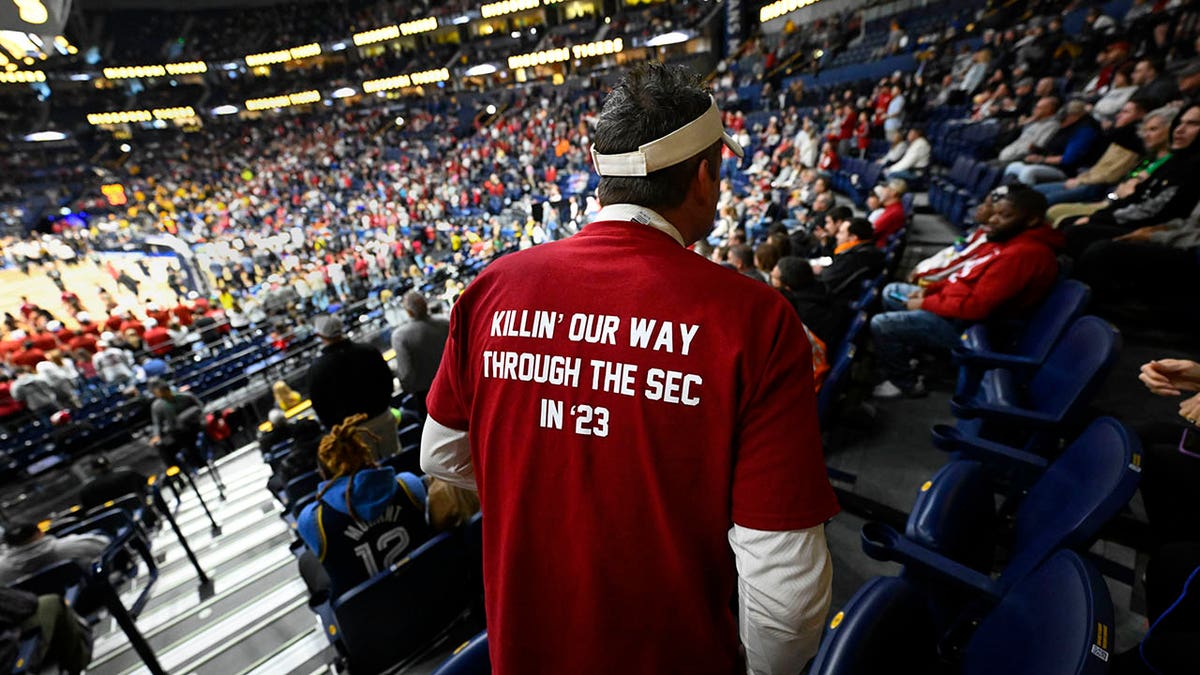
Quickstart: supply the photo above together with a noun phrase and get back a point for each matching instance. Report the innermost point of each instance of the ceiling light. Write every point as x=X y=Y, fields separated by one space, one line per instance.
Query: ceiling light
x=482 y=69
x=343 y=92
x=225 y=110
x=80 y=77
x=125 y=147
x=491 y=109
x=45 y=136
x=674 y=37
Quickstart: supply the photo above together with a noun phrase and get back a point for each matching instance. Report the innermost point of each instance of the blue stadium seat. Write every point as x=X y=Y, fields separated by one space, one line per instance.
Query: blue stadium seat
x=300 y=486
x=835 y=383
x=422 y=596
x=471 y=658
x=1065 y=503
x=1035 y=409
x=1058 y=621
x=981 y=346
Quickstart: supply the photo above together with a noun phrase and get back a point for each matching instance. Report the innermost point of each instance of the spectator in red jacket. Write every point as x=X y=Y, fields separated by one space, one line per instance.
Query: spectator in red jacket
x=1008 y=276
x=29 y=355
x=162 y=316
x=8 y=405
x=183 y=314
x=157 y=339
x=893 y=217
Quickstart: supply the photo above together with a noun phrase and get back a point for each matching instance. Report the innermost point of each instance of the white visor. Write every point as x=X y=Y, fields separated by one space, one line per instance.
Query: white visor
x=685 y=142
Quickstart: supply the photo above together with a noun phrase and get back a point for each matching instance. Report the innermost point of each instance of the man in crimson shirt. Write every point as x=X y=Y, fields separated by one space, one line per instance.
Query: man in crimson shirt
x=157 y=339
x=893 y=217
x=1004 y=278
x=640 y=424
x=183 y=314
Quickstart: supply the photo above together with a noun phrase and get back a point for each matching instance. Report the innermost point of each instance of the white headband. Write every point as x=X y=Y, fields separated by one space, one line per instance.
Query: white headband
x=685 y=142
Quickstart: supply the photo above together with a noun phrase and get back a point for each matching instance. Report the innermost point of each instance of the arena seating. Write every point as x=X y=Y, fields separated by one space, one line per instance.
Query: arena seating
x=984 y=346
x=1037 y=407
x=471 y=658
x=954 y=527
x=1052 y=622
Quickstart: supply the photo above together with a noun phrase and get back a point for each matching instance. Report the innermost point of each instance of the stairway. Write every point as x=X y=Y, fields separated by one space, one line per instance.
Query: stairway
x=253 y=618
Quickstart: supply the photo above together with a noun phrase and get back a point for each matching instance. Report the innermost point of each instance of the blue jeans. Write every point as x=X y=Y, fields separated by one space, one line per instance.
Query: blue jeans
x=1032 y=174
x=1059 y=193
x=898 y=333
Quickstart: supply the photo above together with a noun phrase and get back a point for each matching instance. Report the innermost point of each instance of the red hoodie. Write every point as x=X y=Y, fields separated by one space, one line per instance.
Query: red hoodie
x=889 y=222
x=1002 y=279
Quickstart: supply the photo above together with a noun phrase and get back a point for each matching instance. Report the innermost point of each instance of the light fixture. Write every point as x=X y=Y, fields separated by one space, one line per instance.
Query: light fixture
x=125 y=147
x=491 y=109
x=460 y=20
x=225 y=110
x=80 y=77
x=337 y=46
x=672 y=38
x=399 y=121
x=516 y=34
x=64 y=211
x=45 y=136
x=343 y=92
x=481 y=69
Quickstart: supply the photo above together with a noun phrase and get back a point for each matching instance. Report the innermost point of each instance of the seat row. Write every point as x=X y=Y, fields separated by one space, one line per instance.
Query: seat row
x=954 y=608
x=956 y=191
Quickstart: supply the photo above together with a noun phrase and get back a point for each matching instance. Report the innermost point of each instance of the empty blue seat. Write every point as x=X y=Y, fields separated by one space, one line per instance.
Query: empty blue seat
x=954 y=522
x=1057 y=621
x=835 y=383
x=471 y=658
x=421 y=597
x=982 y=346
x=1036 y=409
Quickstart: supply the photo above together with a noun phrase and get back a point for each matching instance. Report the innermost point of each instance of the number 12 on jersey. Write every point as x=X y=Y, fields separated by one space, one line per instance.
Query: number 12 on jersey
x=589 y=420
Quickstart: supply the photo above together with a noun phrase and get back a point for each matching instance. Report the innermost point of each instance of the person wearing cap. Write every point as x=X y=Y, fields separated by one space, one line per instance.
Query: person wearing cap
x=351 y=378
x=640 y=424
x=418 y=344
x=893 y=218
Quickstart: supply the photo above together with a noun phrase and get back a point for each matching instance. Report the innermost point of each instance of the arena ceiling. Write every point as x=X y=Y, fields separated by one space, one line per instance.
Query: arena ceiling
x=182 y=5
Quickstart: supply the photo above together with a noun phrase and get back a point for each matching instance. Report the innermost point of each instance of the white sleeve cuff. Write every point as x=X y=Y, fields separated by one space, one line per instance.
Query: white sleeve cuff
x=446 y=454
x=784 y=592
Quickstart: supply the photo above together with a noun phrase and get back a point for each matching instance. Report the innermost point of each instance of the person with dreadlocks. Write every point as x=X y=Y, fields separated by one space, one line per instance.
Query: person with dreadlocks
x=365 y=517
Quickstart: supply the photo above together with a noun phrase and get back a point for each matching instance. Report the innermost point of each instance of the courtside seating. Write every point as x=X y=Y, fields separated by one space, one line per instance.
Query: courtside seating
x=1034 y=410
x=982 y=346
x=950 y=532
x=405 y=609
x=471 y=658
x=1057 y=621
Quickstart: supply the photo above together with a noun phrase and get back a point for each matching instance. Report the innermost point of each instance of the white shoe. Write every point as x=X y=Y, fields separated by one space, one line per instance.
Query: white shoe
x=886 y=389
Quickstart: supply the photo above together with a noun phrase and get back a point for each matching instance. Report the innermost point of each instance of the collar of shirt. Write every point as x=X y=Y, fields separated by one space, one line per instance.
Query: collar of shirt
x=638 y=214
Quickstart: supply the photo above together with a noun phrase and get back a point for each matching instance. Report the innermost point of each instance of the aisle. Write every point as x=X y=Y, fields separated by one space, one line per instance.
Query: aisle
x=256 y=620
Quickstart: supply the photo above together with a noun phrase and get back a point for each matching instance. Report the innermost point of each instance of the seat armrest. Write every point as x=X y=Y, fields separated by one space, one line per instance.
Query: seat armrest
x=881 y=542
x=967 y=409
x=950 y=439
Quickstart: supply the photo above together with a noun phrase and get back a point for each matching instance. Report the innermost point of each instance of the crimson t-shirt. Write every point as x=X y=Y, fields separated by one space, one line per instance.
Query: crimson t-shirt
x=627 y=401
